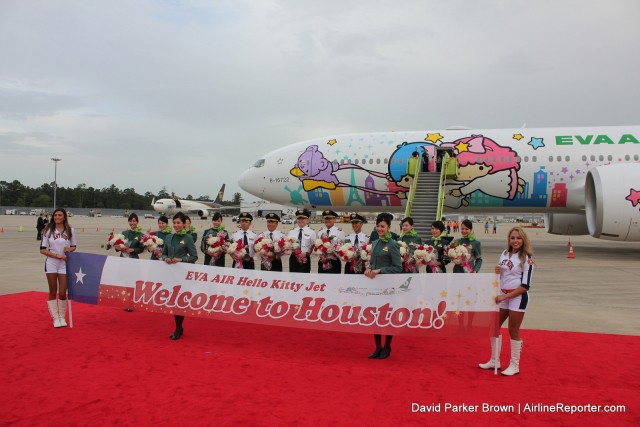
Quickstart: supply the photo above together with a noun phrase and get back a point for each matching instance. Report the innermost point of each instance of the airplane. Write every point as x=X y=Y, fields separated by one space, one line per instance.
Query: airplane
x=201 y=208
x=585 y=180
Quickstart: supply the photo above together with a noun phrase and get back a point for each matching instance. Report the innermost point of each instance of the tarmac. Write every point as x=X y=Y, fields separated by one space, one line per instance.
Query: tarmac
x=597 y=291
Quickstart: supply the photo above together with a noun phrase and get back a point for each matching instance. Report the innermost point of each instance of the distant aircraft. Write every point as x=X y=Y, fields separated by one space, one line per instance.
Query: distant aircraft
x=201 y=208
x=586 y=180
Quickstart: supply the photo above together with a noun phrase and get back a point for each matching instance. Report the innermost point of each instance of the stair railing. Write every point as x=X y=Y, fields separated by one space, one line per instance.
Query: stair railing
x=412 y=190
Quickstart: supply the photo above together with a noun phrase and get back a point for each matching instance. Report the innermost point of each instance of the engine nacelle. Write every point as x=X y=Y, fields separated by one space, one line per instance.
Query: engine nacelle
x=566 y=224
x=203 y=214
x=610 y=194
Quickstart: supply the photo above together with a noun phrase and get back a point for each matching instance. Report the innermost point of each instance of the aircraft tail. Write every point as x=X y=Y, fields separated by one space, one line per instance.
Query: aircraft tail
x=220 y=195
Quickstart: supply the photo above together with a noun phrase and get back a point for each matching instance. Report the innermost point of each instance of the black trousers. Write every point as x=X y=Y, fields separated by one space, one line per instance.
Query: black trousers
x=246 y=265
x=336 y=267
x=296 y=267
x=219 y=261
x=276 y=265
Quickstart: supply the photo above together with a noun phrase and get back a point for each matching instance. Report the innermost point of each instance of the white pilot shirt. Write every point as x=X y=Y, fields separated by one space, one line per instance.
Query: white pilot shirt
x=277 y=235
x=251 y=238
x=333 y=231
x=363 y=239
x=308 y=237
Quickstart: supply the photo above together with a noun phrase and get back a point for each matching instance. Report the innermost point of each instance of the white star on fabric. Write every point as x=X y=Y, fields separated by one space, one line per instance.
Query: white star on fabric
x=80 y=276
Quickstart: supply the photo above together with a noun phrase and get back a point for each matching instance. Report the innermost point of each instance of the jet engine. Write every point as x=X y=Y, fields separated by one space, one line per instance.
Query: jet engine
x=566 y=224
x=203 y=214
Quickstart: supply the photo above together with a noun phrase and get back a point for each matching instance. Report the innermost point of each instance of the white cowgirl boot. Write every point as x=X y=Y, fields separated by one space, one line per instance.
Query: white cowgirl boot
x=62 y=312
x=53 y=311
x=514 y=365
x=496 y=346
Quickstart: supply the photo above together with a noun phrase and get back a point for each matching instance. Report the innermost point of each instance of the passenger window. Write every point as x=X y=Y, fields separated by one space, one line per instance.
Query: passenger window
x=386 y=161
x=356 y=161
x=610 y=157
x=559 y=158
x=550 y=159
x=601 y=157
x=627 y=157
x=584 y=158
x=593 y=158
x=377 y=161
x=526 y=158
x=534 y=159
x=567 y=158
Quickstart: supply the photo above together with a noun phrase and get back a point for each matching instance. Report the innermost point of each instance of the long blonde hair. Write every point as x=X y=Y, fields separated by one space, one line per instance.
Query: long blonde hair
x=526 y=244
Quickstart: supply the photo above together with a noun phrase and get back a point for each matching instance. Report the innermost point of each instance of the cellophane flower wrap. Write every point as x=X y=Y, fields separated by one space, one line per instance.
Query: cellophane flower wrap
x=459 y=254
x=153 y=244
x=118 y=242
x=264 y=248
x=365 y=253
x=292 y=247
x=237 y=251
x=406 y=253
x=427 y=255
x=325 y=249
x=216 y=246
x=348 y=253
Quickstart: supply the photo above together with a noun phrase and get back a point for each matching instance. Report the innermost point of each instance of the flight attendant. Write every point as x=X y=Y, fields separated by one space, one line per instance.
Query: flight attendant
x=273 y=234
x=439 y=243
x=358 y=239
x=385 y=259
x=332 y=231
x=216 y=227
x=469 y=239
x=178 y=247
x=58 y=238
x=134 y=238
x=248 y=238
x=164 y=230
x=191 y=230
x=305 y=236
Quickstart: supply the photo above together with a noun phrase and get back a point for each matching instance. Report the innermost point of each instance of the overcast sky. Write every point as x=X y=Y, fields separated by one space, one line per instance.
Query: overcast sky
x=188 y=94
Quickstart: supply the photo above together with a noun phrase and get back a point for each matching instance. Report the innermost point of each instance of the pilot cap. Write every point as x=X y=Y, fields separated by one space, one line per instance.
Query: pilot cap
x=245 y=215
x=303 y=213
x=329 y=214
x=354 y=217
x=272 y=217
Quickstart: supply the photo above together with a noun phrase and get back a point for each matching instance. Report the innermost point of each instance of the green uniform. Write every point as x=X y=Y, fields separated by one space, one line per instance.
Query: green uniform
x=439 y=245
x=180 y=246
x=416 y=240
x=161 y=235
x=475 y=250
x=386 y=257
x=203 y=246
x=192 y=232
x=374 y=236
x=134 y=240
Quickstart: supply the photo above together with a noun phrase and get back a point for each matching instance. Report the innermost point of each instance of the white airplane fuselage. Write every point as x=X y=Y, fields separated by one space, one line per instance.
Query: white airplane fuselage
x=172 y=206
x=586 y=179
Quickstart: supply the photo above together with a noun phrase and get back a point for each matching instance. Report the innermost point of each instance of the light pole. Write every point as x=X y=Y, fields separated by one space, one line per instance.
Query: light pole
x=55 y=180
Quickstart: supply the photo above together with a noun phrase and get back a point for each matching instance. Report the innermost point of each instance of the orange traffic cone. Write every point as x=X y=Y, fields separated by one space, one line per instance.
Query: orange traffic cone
x=1 y=229
x=83 y=229
x=571 y=255
x=97 y=229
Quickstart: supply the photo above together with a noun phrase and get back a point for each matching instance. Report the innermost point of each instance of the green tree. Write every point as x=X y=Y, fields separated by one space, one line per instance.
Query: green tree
x=42 y=201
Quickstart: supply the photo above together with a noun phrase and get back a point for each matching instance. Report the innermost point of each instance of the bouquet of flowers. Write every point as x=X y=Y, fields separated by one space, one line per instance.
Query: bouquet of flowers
x=365 y=253
x=290 y=245
x=265 y=248
x=408 y=262
x=280 y=248
x=238 y=252
x=152 y=243
x=348 y=253
x=459 y=255
x=216 y=246
x=324 y=249
x=118 y=242
x=427 y=255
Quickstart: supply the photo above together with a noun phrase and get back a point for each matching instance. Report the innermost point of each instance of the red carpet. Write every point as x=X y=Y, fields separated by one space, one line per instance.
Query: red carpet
x=118 y=368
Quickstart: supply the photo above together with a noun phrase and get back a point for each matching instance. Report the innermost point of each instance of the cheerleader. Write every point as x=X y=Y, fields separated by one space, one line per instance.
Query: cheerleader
x=330 y=230
x=439 y=243
x=385 y=259
x=305 y=236
x=216 y=227
x=515 y=269
x=164 y=230
x=274 y=235
x=358 y=239
x=248 y=238
x=134 y=239
x=178 y=247
x=469 y=239
x=58 y=238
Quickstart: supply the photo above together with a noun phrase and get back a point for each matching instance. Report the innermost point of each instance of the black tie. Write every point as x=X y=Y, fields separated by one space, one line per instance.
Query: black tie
x=355 y=243
x=271 y=236
x=245 y=240
x=300 y=236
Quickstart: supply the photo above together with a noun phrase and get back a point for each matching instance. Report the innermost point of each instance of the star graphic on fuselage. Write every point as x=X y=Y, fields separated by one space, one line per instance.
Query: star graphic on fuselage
x=633 y=197
x=332 y=142
x=462 y=147
x=80 y=276
x=517 y=136
x=433 y=137
x=536 y=143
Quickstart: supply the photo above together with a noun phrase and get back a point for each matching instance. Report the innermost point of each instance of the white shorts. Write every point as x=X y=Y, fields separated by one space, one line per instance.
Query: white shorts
x=518 y=303
x=55 y=265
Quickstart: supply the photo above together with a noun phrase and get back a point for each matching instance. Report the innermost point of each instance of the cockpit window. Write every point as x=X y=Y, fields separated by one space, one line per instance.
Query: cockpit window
x=259 y=163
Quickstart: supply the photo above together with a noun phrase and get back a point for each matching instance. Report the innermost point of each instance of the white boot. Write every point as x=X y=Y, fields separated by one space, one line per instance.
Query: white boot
x=496 y=346
x=514 y=365
x=53 y=311
x=62 y=312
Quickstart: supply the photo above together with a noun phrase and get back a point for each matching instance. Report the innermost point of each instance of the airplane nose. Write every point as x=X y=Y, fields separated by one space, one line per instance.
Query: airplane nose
x=245 y=181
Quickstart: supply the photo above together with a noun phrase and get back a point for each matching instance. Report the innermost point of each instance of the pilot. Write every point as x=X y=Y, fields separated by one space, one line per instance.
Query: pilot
x=216 y=227
x=248 y=238
x=337 y=237
x=358 y=239
x=273 y=234
x=305 y=236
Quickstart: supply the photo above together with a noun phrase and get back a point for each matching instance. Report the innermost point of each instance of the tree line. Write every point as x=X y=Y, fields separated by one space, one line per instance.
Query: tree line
x=82 y=196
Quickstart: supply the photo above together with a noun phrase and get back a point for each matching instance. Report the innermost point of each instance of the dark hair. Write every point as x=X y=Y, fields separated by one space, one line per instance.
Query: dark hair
x=164 y=219
x=384 y=217
x=181 y=216
x=415 y=154
x=186 y=217
x=467 y=223
x=132 y=216
x=439 y=225
x=407 y=219
x=216 y=216
x=51 y=226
